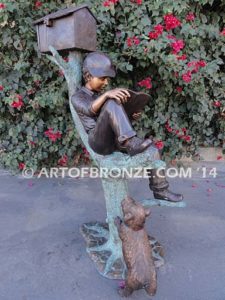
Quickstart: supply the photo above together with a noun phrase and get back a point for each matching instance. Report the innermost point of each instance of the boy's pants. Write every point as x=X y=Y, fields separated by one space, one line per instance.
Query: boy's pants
x=113 y=127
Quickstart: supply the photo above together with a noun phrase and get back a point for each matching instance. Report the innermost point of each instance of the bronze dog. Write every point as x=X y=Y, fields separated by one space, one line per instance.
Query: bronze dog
x=137 y=251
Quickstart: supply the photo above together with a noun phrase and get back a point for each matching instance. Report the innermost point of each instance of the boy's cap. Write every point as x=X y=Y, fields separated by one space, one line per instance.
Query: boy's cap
x=99 y=65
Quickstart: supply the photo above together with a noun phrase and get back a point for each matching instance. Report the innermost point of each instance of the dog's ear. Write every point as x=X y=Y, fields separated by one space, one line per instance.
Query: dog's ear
x=147 y=212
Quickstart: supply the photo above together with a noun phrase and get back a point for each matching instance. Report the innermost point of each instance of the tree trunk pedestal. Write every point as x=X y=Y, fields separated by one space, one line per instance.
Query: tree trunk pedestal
x=107 y=258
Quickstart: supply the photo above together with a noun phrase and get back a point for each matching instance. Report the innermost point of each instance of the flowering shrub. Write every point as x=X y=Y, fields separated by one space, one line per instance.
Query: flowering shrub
x=178 y=60
x=36 y=128
x=174 y=52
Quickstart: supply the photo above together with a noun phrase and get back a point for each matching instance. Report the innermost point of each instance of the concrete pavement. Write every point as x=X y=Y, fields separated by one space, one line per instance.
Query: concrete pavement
x=42 y=254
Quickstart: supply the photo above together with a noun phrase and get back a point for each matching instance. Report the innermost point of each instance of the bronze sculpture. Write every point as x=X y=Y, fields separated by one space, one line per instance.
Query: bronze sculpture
x=136 y=248
x=103 y=243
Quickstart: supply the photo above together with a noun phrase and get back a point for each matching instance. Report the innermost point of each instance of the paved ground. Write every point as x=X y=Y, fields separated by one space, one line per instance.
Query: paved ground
x=42 y=254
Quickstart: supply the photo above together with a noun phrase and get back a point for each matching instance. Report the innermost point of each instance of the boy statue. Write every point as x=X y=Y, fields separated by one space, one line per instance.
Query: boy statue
x=107 y=124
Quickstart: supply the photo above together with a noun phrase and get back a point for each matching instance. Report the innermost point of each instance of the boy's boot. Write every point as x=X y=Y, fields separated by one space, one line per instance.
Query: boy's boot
x=160 y=186
x=135 y=145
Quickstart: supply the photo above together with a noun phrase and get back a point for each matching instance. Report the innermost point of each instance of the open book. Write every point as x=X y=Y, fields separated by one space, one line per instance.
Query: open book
x=135 y=102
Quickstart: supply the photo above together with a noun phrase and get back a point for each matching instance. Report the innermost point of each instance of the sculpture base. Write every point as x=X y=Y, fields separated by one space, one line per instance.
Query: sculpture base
x=96 y=235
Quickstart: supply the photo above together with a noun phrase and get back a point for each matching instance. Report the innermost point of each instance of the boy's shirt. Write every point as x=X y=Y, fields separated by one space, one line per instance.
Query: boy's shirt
x=82 y=101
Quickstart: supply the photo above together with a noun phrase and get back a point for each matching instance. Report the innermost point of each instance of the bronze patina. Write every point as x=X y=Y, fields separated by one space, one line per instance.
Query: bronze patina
x=74 y=29
x=137 y=250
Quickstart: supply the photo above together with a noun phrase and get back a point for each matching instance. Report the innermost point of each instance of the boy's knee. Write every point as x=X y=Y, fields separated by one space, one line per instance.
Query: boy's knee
x=110 y=104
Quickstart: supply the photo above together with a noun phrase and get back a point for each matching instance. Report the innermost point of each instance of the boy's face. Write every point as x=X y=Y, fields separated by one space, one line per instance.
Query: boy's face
x=98 y=83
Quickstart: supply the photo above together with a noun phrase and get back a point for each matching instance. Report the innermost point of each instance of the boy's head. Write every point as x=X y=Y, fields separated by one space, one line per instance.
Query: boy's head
x=97 y=68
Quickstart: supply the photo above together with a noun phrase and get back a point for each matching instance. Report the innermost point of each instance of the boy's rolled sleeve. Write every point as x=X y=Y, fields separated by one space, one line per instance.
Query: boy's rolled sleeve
x=83 y=107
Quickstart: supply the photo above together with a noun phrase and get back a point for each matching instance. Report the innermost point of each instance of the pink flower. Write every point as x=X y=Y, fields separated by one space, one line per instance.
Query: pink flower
x=32 y=143
x=177 y=46
x=190 y=16
x=1 y=88
x=182 y=136
x=187 y=138
x=146 y=83
x=153 y=35
x=195 y=65
x=129 y=42
x=194 y=185
x=2 y=6
x=201 y=63
x=191 y=64
x=51 y=135
x=159 y=28
x=223 y=32
x=171 y=22
x=85 y=152
x=63 y=160
x=179 y=89
x=136 y=40
x=17 y=103
x=38 y=4
x=159 y=144
x=58 y=135
x=219 y=157
x=132 y=41
x=168 y=128
x=187 y=77
x=109 y=2
x=139 y=2
x=21 y=166
x=217 y=103
x=182 y=57
x=106 y=3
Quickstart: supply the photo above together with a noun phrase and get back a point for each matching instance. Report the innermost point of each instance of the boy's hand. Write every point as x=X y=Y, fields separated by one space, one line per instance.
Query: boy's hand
x=136 y=116
x=120 y=95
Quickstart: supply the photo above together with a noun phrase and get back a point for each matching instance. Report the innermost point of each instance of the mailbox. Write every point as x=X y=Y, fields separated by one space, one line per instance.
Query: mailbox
x=71 y=28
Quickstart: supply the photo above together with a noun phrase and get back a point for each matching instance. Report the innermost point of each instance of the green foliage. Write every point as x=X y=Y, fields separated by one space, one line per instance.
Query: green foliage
x=25 y=72
x=194 y=108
